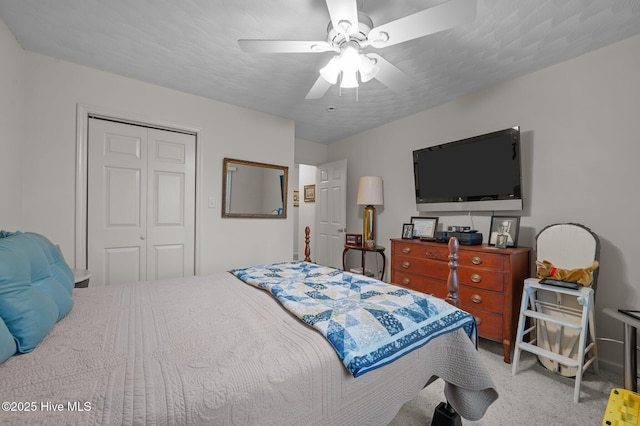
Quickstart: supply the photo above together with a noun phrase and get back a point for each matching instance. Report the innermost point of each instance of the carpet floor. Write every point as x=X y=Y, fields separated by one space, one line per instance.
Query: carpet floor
x=534 y=396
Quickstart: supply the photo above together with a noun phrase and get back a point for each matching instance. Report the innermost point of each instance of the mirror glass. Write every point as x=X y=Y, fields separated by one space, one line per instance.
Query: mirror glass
x=251 y=189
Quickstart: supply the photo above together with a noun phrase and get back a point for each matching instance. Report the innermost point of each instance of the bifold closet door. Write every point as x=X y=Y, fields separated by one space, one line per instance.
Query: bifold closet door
x=141 y=203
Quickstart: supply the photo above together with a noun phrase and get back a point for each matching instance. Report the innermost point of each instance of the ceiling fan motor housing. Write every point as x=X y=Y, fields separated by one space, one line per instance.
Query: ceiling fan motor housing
x=338 y=37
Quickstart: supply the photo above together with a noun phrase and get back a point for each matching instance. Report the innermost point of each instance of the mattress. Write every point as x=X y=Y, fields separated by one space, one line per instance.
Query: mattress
x=213 y=350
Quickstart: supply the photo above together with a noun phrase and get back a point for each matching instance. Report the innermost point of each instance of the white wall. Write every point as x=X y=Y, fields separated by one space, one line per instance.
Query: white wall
x=307 y=156
x=307 y=210
x=52 y=89
x=11 y=129
x=581 y=147
x=311 y=153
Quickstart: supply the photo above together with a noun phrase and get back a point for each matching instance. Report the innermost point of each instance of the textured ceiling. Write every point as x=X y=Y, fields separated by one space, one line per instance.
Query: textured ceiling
x=191 y=45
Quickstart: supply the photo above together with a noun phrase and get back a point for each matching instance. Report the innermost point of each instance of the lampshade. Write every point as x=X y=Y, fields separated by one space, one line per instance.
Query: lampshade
x=350 y=56
x=370 y=191
x=368 y=68
x=331 y=71
x=349 y=79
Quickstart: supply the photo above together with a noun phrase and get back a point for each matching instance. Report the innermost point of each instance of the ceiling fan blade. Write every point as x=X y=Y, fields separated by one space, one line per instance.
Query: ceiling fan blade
x=284 y=46
x=344 y=15
x=425 y=22
x=390 y=75
x=319 y=88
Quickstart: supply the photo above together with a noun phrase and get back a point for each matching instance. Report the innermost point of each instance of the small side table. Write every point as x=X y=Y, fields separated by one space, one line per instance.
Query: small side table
x=364 y=250
x=81 y=277
x=629 y=357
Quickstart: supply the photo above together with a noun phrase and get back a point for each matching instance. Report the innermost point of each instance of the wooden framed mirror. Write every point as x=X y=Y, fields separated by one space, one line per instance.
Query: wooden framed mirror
x=254 y=190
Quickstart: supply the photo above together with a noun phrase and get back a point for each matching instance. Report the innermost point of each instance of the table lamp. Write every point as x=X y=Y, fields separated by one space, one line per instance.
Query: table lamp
x=369 y=194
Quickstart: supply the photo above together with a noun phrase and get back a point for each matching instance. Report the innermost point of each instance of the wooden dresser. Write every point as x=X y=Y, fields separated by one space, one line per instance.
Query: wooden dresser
x=490 y=281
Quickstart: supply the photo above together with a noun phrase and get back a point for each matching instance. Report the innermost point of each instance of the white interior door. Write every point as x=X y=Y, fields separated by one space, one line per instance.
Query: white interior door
x=140 y=203
x=171 y=205
x=331 y=213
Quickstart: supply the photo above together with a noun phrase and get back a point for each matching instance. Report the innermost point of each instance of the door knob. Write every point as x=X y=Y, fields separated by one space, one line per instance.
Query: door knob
x=142 y=237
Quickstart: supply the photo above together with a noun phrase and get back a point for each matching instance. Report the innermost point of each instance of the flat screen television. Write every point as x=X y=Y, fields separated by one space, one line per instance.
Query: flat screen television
x=477 y=173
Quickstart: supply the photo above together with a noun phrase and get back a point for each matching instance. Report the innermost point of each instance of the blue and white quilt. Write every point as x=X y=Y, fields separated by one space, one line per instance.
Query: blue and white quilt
x=368 y=322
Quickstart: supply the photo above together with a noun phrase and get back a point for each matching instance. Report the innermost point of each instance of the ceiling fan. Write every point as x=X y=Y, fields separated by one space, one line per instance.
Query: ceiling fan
x=350 y=32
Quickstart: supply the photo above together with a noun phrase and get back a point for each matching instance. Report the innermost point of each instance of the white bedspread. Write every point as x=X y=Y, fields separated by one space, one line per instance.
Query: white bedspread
x=213 y=350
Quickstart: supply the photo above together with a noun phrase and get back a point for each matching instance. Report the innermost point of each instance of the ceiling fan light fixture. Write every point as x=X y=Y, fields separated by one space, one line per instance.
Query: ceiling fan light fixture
x=350 y=56
x=331 y=71
x=349 y=79
x=368 y=68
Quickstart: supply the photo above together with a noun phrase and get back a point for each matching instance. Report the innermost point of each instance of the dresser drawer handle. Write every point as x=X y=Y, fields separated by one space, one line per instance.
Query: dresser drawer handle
x=476 y=298
x=435 y=254
x=406 y=281
x=476 y=260
x=406 y=265
x=478 y=320
x=476 y=278
x=406 y=250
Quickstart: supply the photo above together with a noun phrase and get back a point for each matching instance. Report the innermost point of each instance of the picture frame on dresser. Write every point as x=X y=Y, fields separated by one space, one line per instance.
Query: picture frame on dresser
x=504 y=231
x=407 y=231
x=354 y=240
x=424 y=227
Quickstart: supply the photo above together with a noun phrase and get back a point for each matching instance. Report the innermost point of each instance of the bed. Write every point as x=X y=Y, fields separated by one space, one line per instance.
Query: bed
x=216 y=350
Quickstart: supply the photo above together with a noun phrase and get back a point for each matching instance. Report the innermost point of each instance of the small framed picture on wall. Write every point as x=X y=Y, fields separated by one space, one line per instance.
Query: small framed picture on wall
x=309 y=193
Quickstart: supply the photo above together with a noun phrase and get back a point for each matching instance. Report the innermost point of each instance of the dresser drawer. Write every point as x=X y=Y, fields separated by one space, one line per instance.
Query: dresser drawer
x=481 y=299
x=428 y=267
x=480 y=278
x=472 y=276
x=481 y=260
x=489 y=323
x=440 y=251
x=437 y=288
x=420 y=251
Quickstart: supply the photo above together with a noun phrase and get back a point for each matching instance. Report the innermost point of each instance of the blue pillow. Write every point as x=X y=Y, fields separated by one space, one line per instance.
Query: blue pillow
x=28 y=313
x=7 y=343
x=60 y=271
x=34 y=247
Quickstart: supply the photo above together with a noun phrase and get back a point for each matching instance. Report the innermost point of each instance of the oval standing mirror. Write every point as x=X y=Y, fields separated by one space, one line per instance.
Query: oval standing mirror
x=251 y=189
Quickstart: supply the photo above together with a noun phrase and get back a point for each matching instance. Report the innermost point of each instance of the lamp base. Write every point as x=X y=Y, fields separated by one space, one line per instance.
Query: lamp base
x=369 y=228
